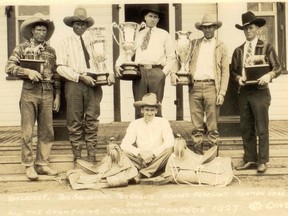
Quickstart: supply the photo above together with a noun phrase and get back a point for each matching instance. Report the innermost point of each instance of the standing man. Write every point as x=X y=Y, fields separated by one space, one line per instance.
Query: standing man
x=40 y=93
x=155 y=55
x=254 y=100
x=209 y=70
x=83 y=97
x=149 y=140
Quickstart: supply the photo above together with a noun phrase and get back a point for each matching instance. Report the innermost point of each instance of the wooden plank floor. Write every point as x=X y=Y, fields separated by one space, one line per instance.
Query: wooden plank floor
x=277 y=130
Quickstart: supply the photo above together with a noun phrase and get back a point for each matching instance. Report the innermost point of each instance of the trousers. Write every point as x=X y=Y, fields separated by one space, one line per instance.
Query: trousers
x=83 y=110
x=254 y=121
x=202 y=103
x=157 y=164
x=151 y=81
x=36 y=105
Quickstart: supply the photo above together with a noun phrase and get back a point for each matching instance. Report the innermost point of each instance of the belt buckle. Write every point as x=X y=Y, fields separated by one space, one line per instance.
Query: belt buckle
x=147 y=66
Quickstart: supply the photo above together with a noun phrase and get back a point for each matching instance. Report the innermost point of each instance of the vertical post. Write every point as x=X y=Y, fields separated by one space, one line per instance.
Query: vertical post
x=179 y=88
x=116 y=87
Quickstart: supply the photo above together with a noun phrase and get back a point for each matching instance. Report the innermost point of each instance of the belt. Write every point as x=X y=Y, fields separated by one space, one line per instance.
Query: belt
x=205 y=80
x=150 y=66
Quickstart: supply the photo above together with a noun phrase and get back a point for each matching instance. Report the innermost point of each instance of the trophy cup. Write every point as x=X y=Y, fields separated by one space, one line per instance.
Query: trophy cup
x=183 y=54
x=98 y=50
x=31 y=59
x=128 y=32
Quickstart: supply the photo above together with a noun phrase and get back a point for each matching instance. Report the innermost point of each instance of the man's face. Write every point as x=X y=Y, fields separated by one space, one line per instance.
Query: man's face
x=149 y=112
x=151 y=19
x=39 y=33
x=209 y=31
x=79 y=27
x=250 y=31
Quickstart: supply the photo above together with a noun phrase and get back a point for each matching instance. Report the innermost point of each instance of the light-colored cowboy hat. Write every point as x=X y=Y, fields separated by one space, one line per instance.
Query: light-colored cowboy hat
x=149 y=99
x=29 y=23
x=152 y=8
x=80 y=15
x=208 y=21
x=250 y=18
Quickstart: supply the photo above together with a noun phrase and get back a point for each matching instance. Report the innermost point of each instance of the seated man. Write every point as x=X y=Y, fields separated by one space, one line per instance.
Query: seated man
x=149 y=140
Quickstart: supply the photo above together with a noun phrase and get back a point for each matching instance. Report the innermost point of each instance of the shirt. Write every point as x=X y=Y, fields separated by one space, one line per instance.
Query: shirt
x=71 y=60
x=205 y=61
x=160 y=50
x=49 y=70
x=154 y=136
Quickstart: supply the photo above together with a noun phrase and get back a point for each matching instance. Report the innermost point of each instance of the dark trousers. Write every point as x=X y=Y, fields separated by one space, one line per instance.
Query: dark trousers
x=83 y=110
x=152 y=81
x=254 y=120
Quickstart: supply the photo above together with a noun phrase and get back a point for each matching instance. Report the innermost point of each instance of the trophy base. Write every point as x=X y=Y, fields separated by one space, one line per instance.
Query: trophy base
x=130 y=72
x=184 y=79
x=101 y=78
x=254 y=72
x=32 y=64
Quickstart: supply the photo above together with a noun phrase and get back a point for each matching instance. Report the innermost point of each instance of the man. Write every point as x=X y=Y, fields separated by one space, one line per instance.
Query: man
x=209 y=70
x=40 y=93
x=155 y=56
x=149 y=140
x=83 y=97
x=254 y=100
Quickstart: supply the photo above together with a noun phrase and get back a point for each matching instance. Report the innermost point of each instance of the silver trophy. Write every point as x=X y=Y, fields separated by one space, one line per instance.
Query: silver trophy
x=128 y=32
x=183 y=54
x=98 y=49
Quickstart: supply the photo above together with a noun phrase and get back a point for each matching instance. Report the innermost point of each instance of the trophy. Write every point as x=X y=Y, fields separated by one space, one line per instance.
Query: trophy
x=183 y=54
x=98 y=50
x=31 y=58
x=128 y=32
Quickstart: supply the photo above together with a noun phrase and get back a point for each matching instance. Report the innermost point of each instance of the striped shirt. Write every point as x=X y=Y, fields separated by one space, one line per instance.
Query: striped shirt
x=70 y=58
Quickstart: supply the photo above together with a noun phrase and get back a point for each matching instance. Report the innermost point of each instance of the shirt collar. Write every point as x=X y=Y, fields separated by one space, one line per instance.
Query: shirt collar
x=253 y=42
x=205 y=40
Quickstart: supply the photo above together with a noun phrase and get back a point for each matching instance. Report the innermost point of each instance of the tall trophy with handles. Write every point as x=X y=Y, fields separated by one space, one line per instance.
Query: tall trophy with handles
x=183 y=54
x=128 y=32
x=98 y=50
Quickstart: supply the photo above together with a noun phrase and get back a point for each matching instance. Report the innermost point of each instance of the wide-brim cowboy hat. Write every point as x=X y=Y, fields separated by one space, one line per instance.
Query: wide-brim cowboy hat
x=149 y=99
x=29 y=23
x=80 y=15
x=208 y=21
x=249 y=18
x=154 y=9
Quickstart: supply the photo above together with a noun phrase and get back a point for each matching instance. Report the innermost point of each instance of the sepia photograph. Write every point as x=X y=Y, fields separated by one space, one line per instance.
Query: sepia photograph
x=123 y=107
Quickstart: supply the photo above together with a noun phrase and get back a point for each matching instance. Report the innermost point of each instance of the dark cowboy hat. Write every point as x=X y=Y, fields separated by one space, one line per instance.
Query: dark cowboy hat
x=37 y=18
x=250 y=18
x=149 y=99
x=152 y=8
x=208 y=21
x=80 y=15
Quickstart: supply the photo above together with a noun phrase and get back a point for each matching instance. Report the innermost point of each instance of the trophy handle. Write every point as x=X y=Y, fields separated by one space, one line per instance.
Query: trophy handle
x=115 y=25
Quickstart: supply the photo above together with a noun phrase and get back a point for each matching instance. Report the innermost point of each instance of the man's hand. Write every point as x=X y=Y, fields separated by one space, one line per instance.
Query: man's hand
x=111 y=79
x=34 y=75
x=220 y=99
x=251 y=60
x=88 y=80
x=56 y=103
x=146 y=156
x=174 y=78
x=118 y=71
x=265 y=79
x=241 y=81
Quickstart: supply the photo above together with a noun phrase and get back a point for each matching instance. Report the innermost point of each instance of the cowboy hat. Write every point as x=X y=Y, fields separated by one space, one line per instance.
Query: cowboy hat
x=149 y=99
x=28 y=24
x=80 y=15
x=208 y=21
x=250 y=18
x=153 y=9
